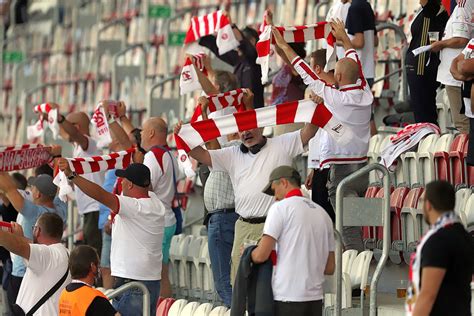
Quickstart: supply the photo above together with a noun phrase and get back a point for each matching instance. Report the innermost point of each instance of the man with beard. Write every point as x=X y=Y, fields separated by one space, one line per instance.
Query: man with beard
x=46 y=264
x=79 y=298
x=442 y=268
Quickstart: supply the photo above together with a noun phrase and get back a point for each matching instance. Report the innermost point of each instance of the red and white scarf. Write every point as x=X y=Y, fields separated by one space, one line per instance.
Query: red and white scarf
x=37 y=130
x=219 y=102
x=23 y=157
x=116 y=160
x=414 y=274
x=295 y=34
x=189 y=81
x=303 y=111
x=404 y=140
x=209 y=24
x=101 y=125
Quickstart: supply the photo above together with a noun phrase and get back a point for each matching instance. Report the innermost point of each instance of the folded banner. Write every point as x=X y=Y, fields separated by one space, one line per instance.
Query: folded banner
x=209 y=24
x=404 y=140
x=23 y=157
x=303 y=111
x=117 y=160
x=37 y=130
x=99 y=121
x=295 y=34
x=189 y=81
x=221 y=101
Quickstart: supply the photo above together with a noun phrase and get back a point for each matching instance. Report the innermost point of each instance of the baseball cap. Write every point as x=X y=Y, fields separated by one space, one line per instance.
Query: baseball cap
x=137 y=173
x=44 y=184
x=278 y=173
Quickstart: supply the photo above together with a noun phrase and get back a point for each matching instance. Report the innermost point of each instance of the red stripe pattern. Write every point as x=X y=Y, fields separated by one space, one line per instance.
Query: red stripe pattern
x=117 y=160
x=221 y=101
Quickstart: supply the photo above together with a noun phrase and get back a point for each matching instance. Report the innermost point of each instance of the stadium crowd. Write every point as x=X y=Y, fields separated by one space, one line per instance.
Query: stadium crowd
x=130 y=209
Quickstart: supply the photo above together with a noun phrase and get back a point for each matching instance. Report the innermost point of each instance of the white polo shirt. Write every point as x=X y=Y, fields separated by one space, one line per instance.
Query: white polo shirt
x=46 y=266
x=249 y=173
x=304 y=234
x=459 y=25
x=160 y=164
x=86 y=204
x=136 y=251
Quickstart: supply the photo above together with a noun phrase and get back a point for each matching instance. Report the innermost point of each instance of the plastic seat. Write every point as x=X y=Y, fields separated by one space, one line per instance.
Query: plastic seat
x=426 y=159
x=189 y=309
x=183 y=289
x=462 y=196
x=410 y=159
x=193 y=274
x=219 y=311
x=206 y=275
x=360 y=270
x=164 y=306
x=368 y=233
x=456 y=160
x=442 y=158
x=177 y=307
x=174 y=257
x=348 y=258
x=373 y=154
x=203 y=310
x=468 y=215
x=410 y=228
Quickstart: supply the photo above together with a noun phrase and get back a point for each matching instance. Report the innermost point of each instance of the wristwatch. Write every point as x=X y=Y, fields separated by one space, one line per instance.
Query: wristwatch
x=72 y=176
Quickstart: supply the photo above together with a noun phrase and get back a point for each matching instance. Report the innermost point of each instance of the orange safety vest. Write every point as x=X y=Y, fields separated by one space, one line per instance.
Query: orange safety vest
x=76 y=303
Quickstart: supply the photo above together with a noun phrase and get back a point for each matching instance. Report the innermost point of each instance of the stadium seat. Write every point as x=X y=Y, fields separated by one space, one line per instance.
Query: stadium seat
x=218 y=311
x=442 y=158
x=193 y=273
x=177 y=307
x=426 y=159
x=360 y=270
x=456 y=160
x=189 y=309
x=164 y=307
x=373 y=154
x=410 y=229
x=184 y=246
x=173 y=263
x=410 y=159
x=462 y=196
x=203 y=310
x=369 y=232
x=207 y=276
x=348 y=258
x=468 y=216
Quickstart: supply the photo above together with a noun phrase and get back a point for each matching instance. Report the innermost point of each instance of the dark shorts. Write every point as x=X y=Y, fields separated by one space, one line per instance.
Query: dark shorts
x=470 y=148
x=311 y=308
x=91 y=231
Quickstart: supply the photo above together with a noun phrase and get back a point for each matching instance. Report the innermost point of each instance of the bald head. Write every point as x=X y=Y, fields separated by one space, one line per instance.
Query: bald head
x=154 y=132
x=80 y=120
x=347 y=71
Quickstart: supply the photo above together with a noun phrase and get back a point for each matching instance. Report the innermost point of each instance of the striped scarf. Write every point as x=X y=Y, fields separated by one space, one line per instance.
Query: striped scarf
x=209 y=24
x=116 y=160
x=189 y=81
x=37 y=130
x=295 y=34
x=23 y=157
x=219 y=102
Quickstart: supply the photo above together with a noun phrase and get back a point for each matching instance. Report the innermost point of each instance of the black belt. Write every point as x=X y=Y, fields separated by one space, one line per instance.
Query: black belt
x=223 y=210
x=253 y=220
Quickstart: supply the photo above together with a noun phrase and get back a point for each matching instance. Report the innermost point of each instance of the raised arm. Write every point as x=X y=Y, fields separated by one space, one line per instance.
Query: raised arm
x=198 y=153
x=71 y=131
x=117 y=131
x=8 y=186
x=15 y=241
x=206 y=84
x=91 y=189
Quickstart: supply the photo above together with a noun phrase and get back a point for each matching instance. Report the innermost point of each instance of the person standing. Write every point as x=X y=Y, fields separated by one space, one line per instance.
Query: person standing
x=442 y=267
x=137 y=230
x=458 y=32
x=79 y=298
x=301 y=230
x=422 y=70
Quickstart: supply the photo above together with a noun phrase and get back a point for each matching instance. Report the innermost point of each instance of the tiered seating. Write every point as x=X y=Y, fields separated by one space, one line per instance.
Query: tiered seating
x=411 y=223
x=442 y=159
x=410 y=159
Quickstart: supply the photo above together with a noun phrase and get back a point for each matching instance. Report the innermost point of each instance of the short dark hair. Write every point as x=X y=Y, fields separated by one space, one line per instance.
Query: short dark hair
x=319 y=57
x=44 y=169
x=51 y=225
x=20 y=180
x=441 y=195
x=250 y=32
x=80 y=261
x=300 y=49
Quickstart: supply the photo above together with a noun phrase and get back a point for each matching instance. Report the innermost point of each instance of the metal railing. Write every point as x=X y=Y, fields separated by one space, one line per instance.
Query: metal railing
x=134 y=285
x=376 y=220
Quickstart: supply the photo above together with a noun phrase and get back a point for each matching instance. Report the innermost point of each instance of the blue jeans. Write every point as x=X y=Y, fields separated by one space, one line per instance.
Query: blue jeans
x=220 y=239
x=130 y=303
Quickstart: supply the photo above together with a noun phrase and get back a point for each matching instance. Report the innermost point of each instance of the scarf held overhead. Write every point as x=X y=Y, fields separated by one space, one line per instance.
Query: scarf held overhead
x=116 y=160
x=221 y=101
x=209 y=24
x=189 y=80
x=303 y=111
x=37 y=130
x=295 y=34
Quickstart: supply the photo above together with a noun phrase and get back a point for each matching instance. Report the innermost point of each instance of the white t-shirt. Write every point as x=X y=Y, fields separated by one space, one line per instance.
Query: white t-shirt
x=468 y=53
x=249 y=173
x=459 y=25
x=339 y=11
x=86 y=204
x=137 y=238
x=162 y=183
x=367 y=54
x=305 y=236
x=47 y=265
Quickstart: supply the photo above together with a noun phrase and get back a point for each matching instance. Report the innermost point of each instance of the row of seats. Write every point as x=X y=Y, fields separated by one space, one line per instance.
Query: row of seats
x=438 y=157
x=407 y=223
x=181 y=307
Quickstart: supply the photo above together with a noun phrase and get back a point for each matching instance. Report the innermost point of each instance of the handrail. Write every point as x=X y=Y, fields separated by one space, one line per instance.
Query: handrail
x=399 y=31
x=134 y=285
x=386 y=233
